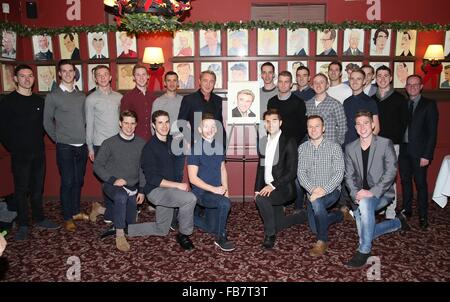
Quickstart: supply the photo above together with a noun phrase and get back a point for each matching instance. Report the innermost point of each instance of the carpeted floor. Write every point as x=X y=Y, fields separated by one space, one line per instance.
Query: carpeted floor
x=413 y=256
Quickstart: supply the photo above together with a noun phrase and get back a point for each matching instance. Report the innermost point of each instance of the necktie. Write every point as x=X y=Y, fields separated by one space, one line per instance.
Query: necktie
x=354 y=52
x=411 y=111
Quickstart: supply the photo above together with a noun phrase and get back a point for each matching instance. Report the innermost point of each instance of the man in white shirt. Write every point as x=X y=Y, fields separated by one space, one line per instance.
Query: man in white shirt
x=337 y=89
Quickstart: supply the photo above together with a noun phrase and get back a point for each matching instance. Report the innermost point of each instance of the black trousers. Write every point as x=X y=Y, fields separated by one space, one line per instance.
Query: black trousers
x=28 y=172
x=272 y=213
x=410 y=169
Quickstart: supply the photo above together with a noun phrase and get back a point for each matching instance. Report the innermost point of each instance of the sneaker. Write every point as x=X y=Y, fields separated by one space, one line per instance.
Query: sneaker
x=224 y=244
x=404 y=222
x=185 y=242
x=358 y=260
x=48 y=225
x=22 y=233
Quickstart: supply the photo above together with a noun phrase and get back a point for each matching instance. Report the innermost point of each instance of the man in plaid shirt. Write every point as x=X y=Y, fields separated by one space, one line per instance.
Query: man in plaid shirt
x=329 y=109
x=320 y=171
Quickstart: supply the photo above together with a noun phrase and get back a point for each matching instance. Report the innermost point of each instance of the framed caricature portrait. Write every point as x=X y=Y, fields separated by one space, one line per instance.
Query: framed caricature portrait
x=380 y=42
x=243 y=102
x=353 y=42
x=347 y=68
x=401 y=72
x=9 y=44
x=8 y=83
x=126 y=45
x=258 y=68
x=183 y=44
x=375 y=66
x=79 y=77
x=216 y=67
x=238 y=71
x=46 y=78
x=42 y=48
x=210 y=43
x=69 y=46
x=322 y=67
x=98 y=45
x=444 y=82
x=237 y=42
x=267 y=42
x=405 y=45
x=185 y=73
x=298 y=42
x=293 y=65
x=327 y=42
x=91 y=80
x=447 y=45
x=125 y=77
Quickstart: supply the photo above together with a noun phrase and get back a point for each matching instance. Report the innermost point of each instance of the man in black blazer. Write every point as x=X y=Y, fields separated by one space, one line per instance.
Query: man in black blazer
x=195 y=104
x=275 y=178
x=416 y=151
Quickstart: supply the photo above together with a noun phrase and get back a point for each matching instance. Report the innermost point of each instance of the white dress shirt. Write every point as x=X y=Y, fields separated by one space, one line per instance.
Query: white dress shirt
x=271 y=149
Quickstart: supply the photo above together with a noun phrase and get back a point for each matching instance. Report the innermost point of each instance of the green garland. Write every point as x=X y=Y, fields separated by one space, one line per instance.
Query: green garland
x=142 y=23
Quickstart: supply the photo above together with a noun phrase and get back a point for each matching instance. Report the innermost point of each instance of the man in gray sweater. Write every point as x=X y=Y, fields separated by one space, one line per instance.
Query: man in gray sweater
x=64 y=121
x=118 y=165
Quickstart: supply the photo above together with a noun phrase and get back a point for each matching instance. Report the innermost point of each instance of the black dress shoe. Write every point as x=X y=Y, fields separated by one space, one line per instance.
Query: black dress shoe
x=423 y=224
x=404 y=223
x=407 y=214
x=269 y=241
x=111 y=231
x=358 y=260
x=185 y=242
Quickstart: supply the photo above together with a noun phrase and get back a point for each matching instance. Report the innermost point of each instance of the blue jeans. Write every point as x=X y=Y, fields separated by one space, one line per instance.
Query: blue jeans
x=124 y=206
x=215 y=215
x=72 y=167
x=318 y=217
x=299 y=201
x=368 y=230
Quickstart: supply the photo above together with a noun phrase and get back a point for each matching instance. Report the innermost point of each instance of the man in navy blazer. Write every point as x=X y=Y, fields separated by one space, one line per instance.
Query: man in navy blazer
x=416 y=151
x=370 y=170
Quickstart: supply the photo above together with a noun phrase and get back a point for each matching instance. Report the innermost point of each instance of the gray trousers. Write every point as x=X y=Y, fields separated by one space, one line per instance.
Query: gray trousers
x=166 y=200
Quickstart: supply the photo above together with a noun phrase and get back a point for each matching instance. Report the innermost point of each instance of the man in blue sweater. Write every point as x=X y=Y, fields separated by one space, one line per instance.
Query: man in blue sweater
x=164 y=187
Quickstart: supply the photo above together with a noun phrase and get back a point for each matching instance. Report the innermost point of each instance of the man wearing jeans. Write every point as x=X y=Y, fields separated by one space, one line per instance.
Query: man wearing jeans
x=320 y=171
x=64 y=121
x=209 y=179
x=118 y=164
x=370 y=170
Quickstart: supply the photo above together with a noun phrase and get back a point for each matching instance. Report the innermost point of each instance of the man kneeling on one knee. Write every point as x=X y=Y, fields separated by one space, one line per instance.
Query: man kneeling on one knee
x=118 y=165
x=320 y=171
x=370 y=170
x=275 y=178
x=164 y=186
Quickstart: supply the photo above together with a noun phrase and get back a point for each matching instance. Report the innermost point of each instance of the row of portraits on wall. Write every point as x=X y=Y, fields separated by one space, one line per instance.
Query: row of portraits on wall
x=298 y=44
x=237 y=71
x=69 y=46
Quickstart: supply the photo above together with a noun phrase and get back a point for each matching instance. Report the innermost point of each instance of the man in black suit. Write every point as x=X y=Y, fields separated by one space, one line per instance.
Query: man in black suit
x=416 y=151
x=275 y=178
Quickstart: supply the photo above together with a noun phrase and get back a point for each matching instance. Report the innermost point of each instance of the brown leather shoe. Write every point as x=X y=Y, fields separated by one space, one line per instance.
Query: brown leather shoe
x=122 y=244
x=70 y=225
x=95 y=211
x=319 y=248
x=346 y=212
x=81 y=217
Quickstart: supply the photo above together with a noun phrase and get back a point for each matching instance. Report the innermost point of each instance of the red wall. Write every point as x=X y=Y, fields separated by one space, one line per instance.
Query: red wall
x=51 y=13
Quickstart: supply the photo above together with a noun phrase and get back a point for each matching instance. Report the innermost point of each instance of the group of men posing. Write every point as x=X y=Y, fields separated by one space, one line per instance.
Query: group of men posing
x=307 y=131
